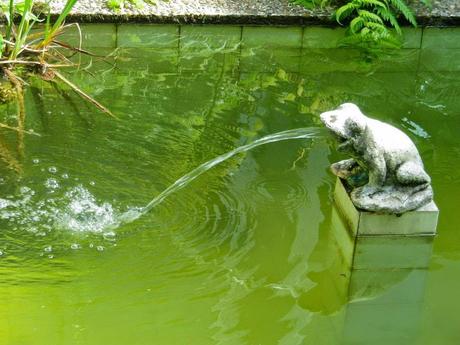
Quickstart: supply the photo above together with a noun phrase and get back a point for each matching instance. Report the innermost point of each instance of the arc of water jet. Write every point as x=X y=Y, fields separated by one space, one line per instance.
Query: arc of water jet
x=298 y=133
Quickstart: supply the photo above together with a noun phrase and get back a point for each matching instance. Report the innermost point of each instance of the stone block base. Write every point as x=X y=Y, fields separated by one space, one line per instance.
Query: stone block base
x=420 y=222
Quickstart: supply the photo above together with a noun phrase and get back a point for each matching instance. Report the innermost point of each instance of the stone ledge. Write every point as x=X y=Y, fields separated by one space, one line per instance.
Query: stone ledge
x=238 y=12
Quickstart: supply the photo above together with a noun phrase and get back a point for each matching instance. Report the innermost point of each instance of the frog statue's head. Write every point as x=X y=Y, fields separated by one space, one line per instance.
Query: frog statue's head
x=346 y=123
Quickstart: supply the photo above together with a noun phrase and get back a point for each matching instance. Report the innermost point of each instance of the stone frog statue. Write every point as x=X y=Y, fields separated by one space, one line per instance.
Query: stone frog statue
x=394 y=177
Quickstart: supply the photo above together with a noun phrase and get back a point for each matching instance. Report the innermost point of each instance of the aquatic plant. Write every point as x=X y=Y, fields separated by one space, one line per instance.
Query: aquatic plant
x=371 y=23
x=29 y=49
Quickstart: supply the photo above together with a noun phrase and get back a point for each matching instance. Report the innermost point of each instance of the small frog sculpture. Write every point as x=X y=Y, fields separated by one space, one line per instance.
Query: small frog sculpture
x=385 y=173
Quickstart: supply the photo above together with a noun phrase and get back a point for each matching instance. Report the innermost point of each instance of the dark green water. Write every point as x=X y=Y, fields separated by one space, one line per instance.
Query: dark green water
x=248 y=253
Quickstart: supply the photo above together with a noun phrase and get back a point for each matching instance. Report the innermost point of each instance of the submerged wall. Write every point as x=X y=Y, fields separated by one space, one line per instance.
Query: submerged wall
x=266 y=48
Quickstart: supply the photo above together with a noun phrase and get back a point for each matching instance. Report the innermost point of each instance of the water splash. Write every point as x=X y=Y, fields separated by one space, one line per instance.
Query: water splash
x=298 y=133
x=77 y=210
x=83 y=213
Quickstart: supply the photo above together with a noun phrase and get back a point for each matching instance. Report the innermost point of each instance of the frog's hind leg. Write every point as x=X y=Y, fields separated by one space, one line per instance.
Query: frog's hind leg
x=412 y=174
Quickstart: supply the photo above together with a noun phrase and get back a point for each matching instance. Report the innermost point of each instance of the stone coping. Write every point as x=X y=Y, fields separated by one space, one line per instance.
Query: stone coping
x=241 y=12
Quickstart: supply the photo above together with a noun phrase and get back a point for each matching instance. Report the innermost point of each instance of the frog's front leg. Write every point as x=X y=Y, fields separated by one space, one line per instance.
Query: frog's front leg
x=377 y=170
x=346 y=168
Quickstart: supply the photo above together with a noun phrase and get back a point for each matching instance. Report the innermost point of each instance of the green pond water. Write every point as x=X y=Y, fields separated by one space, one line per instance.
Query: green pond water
x=252 y=251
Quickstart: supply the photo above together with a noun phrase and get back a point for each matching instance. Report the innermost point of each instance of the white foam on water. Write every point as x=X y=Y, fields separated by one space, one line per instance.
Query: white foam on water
x=77 y=210
x=83 y=213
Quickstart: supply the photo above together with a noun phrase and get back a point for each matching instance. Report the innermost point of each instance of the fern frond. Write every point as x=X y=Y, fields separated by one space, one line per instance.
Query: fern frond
x=345 y=10
x=356 y=24
x=369 y=20
x=376 y=27
x=375 y=3
x=405 y=10
x=365 y=31
x=389 y=17
x=369 y=16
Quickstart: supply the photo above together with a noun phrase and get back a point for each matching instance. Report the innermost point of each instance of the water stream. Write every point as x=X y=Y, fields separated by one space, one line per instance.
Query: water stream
x=298 y=133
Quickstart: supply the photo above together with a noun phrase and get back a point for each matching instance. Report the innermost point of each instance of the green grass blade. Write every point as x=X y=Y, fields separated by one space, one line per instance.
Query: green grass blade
x=47 y=24
x=23 y=29
x=59 y=21
x=10 y=19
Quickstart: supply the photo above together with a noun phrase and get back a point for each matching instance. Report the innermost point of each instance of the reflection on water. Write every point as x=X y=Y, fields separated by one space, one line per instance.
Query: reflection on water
x=249 y=253
x=386 y=287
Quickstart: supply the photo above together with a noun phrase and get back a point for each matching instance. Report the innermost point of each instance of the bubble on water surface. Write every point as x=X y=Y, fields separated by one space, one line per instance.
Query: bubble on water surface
x=4 y=203
x=52 y=184
x=109 y=235
x=24 y=190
